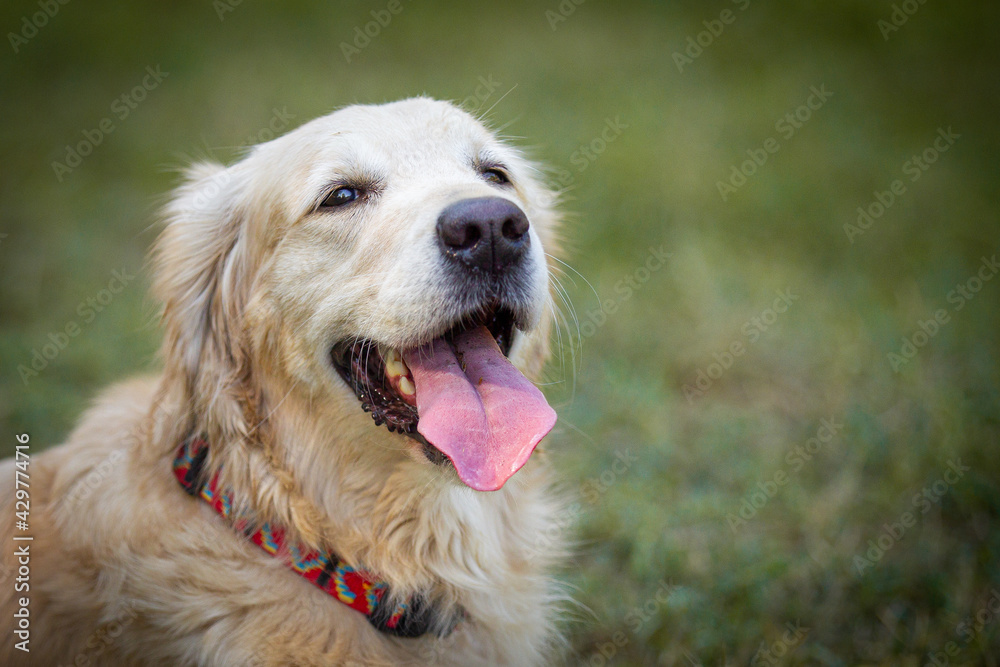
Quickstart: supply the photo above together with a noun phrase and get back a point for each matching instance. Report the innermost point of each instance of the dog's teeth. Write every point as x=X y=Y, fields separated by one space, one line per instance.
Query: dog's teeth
x=406 y=386
x=394 y=364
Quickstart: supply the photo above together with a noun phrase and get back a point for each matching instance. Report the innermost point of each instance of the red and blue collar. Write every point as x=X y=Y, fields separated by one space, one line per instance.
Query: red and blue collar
x=358 y=589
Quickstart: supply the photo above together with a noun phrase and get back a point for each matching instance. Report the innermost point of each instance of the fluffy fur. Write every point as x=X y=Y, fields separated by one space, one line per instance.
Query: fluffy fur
x=257 y=285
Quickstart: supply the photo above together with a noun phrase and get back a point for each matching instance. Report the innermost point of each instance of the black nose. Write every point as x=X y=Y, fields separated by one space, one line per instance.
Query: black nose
x=486 y=233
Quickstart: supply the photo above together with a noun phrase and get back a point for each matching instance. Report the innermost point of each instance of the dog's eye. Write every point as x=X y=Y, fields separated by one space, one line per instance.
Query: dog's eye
x=340 y=196
x=495 y=176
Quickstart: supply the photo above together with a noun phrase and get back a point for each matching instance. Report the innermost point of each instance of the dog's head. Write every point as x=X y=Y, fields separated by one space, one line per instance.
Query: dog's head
x=384 y=259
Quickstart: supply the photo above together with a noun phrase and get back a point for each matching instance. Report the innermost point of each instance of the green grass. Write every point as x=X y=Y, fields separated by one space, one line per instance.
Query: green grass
x=658 y=523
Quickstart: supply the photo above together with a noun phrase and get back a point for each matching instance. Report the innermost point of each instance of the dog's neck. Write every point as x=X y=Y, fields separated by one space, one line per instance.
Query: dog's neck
x=361 y=590
x=335 y=486
x=321 y=475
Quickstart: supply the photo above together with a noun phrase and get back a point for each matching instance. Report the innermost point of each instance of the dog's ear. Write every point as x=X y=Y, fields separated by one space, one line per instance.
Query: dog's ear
x=202 y=274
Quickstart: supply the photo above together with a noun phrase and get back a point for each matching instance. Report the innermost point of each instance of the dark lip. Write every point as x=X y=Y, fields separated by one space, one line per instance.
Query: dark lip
x=360 y=364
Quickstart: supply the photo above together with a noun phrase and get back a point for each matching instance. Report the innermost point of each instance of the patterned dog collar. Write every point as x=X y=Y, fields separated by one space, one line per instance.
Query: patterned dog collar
x=358 y=589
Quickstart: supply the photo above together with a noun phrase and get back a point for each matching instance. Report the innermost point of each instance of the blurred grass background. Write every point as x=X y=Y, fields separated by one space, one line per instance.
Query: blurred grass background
x=663 y=577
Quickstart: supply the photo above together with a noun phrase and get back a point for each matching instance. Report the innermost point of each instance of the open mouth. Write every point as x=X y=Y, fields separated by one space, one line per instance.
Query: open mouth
x=384 y=384
x=457 y=395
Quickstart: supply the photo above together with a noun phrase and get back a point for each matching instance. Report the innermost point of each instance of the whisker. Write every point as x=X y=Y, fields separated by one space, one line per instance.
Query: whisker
x=482 y=116
x=276 y=406
x=596 y=295
x=574 y=343
x=578 y=430
x=559 y=340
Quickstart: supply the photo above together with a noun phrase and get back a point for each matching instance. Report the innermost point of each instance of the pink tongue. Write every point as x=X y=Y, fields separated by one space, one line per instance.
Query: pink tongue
x=477 y=408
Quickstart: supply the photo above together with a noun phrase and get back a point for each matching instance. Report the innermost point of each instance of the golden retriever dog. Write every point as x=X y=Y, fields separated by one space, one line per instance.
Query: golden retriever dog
x=335 y=466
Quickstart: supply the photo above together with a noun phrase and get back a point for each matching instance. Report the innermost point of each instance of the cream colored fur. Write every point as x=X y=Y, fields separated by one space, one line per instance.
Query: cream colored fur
x=127 y=569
